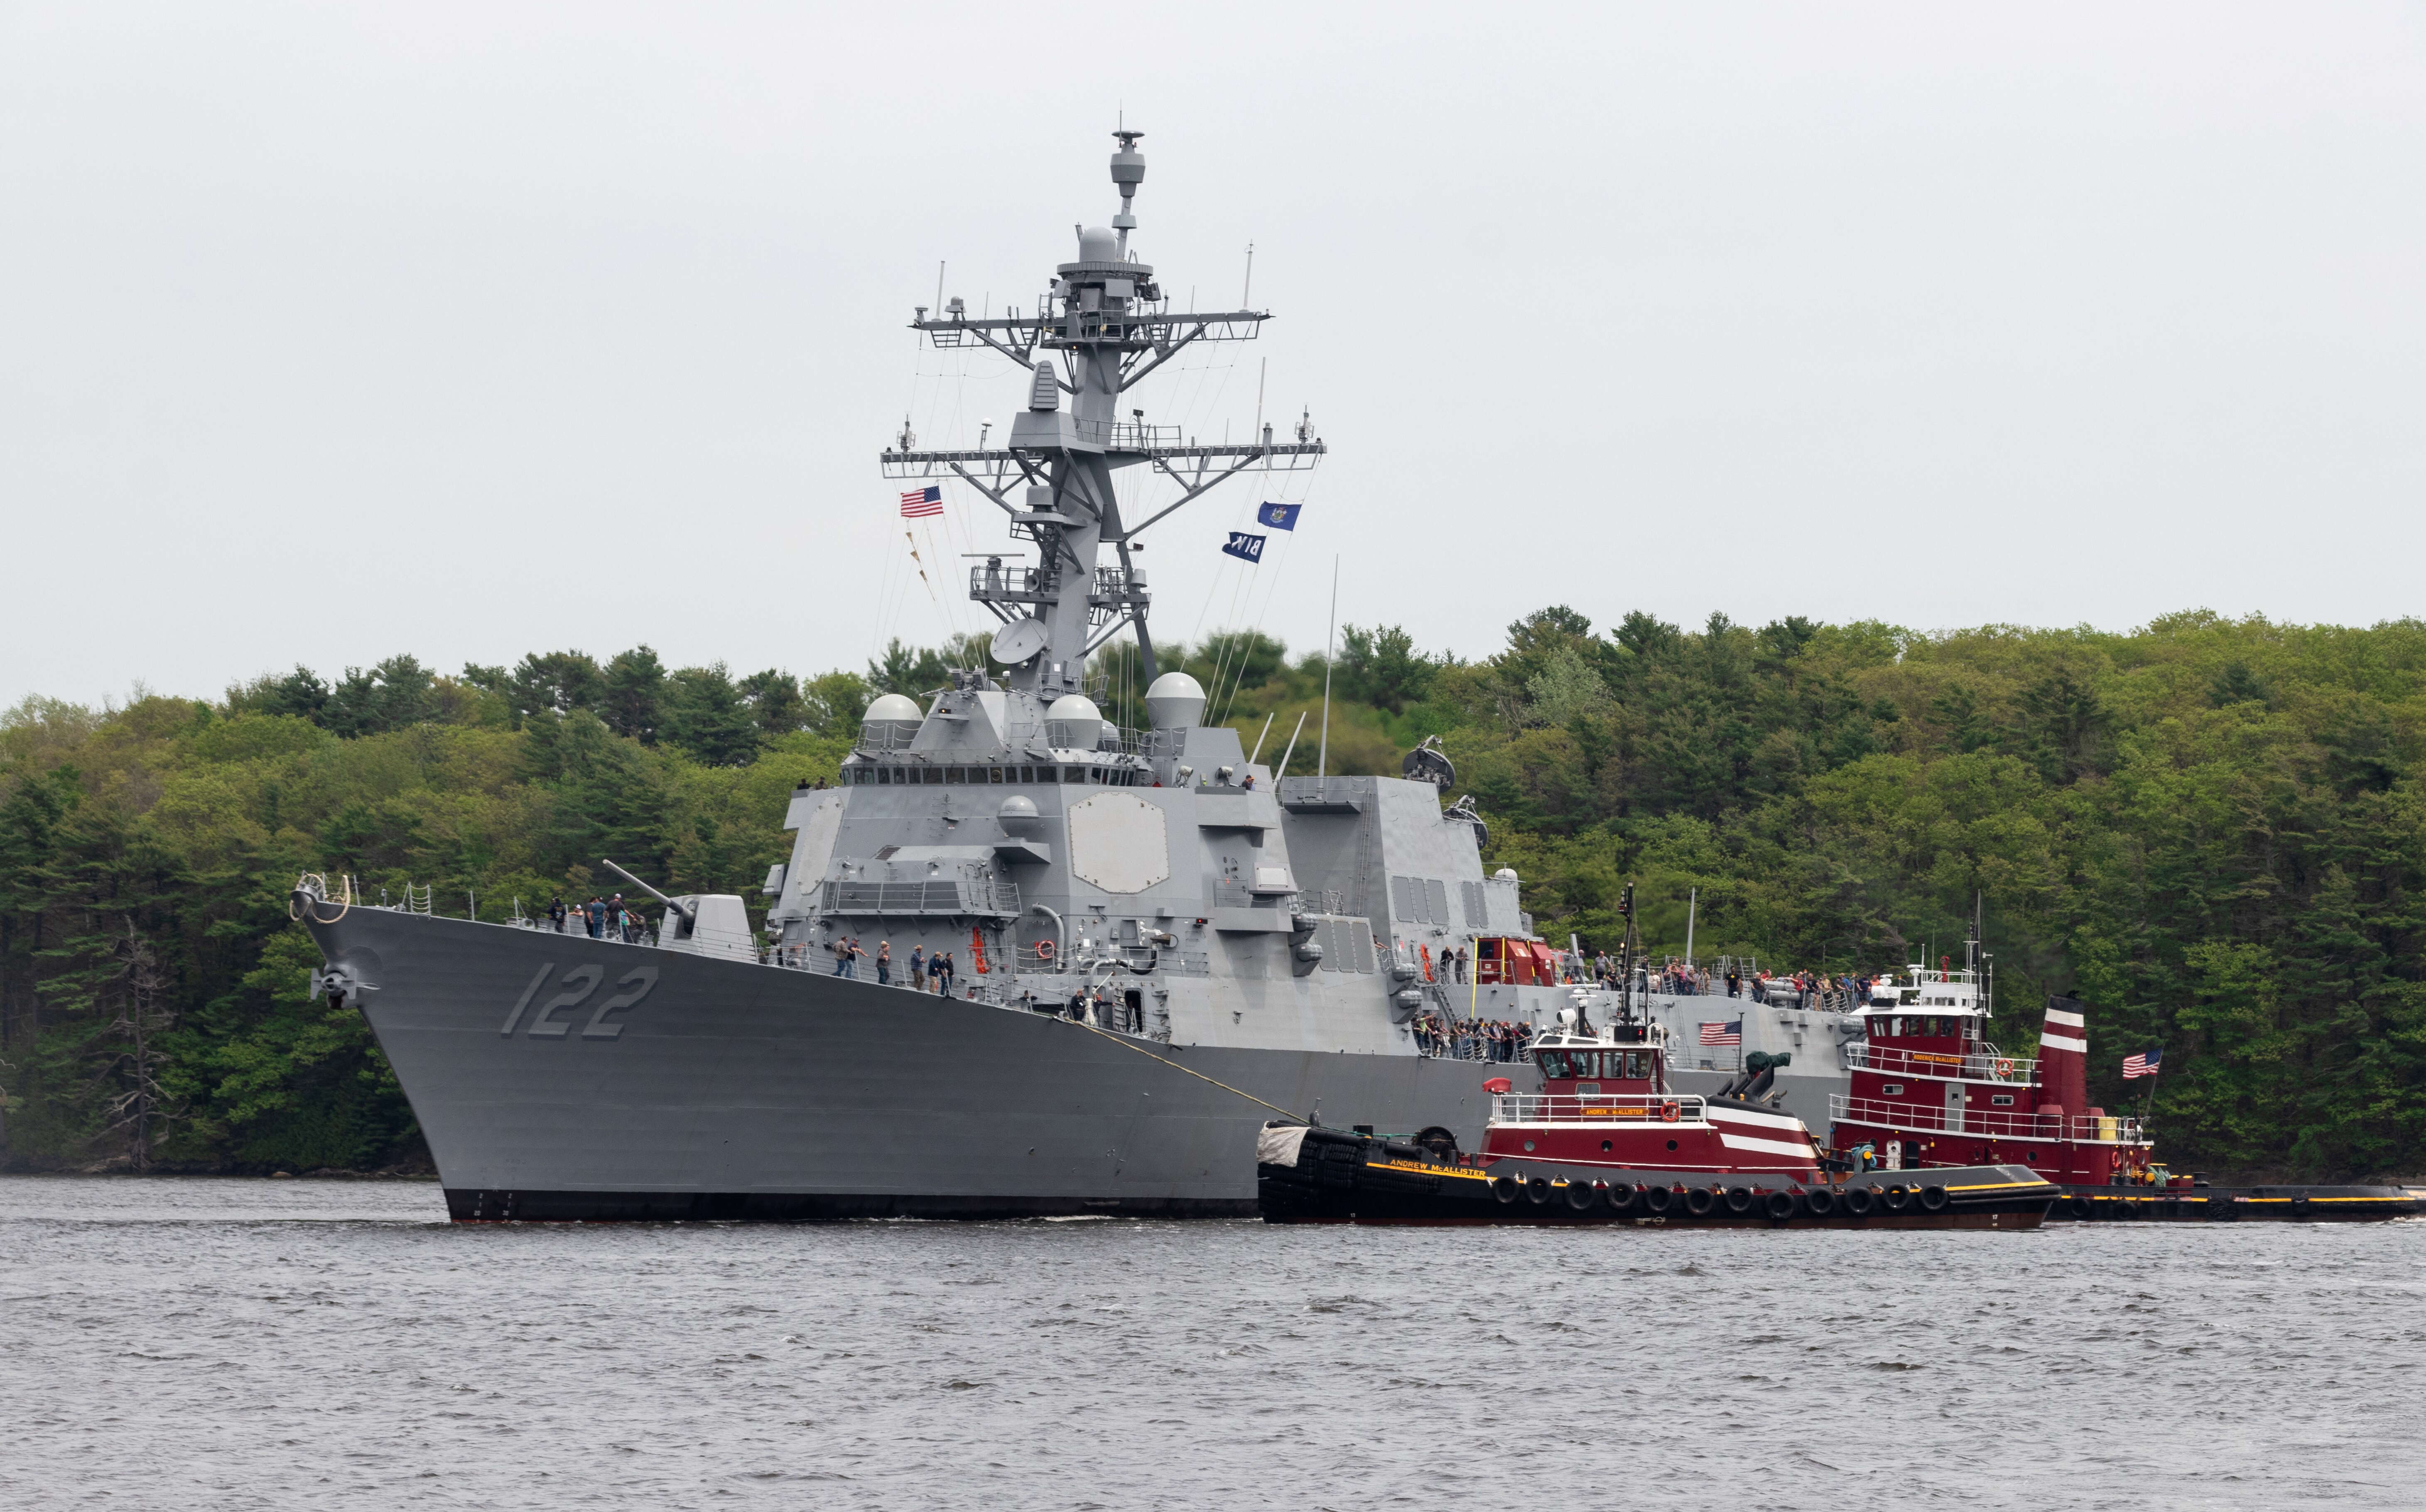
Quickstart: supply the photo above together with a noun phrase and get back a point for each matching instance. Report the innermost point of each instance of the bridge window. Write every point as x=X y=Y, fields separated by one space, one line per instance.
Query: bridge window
x=1554 y=1063
x=1074 y=773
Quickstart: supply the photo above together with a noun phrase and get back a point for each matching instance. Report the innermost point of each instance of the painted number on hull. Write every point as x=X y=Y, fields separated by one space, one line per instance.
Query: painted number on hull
x=575 y=990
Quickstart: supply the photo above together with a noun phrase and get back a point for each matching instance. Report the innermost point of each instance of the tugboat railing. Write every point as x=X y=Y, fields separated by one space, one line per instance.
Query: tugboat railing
x=1943 y=1066
x=1526 y=1107
x=2095 y=1129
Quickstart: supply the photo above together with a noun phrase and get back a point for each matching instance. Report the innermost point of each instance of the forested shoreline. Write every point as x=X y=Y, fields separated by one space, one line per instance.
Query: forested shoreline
x=2211 y=830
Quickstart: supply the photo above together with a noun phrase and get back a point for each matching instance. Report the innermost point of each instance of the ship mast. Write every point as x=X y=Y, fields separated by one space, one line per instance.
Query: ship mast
x=1100 y=328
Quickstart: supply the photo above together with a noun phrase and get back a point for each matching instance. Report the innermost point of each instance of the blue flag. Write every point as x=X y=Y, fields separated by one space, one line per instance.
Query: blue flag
x=1245 y=547
x=1279 y=516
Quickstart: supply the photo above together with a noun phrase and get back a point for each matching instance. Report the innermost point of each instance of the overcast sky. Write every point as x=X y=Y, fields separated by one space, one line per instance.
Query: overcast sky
x=332 y=332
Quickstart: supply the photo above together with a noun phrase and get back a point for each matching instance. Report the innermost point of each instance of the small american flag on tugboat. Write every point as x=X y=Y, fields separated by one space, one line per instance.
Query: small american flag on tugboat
x=2138 y=1066
x=919 y=503
x=1723 y=1034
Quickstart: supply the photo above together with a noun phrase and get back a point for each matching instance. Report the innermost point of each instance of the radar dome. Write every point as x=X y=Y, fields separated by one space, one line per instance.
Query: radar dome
x=1074 y=723
x=890 y=723
x=1018 y=816
x=1098 y=244
x=1175 y=702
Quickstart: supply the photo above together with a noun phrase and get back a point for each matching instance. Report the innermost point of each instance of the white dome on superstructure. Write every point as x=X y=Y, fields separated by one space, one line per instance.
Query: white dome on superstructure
x=1175 y=701
x=893 y=706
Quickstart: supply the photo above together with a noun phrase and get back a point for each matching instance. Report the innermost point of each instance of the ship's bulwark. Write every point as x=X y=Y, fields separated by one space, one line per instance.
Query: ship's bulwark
x=729 y=1090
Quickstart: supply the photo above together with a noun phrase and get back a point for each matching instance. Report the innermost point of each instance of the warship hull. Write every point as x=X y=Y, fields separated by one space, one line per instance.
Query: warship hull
x=729 y=1090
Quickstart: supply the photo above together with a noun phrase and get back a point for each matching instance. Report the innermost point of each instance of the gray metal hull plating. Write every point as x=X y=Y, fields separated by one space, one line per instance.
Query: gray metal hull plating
x=736 y=1090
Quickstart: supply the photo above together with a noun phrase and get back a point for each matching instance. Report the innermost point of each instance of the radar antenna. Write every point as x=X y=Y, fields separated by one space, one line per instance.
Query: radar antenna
x=1102 y=327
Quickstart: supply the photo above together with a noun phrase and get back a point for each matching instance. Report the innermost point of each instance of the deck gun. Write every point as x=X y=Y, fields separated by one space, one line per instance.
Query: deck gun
x=690 y=915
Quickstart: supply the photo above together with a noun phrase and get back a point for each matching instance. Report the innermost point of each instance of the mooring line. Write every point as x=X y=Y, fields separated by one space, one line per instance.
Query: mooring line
x=1176 y=1066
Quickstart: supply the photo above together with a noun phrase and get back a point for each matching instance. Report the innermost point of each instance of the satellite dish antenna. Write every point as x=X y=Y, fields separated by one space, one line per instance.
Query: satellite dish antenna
x=1020 y=640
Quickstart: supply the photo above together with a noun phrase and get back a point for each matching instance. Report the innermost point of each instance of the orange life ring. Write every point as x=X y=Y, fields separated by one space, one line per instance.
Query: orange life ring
x=2004 y=1068
x=1044 y=950
x=1669 y=1112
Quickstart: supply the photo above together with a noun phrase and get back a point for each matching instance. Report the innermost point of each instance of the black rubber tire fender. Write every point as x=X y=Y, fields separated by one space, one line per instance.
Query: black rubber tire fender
x=1504 y=1188
x=1897 y=1197
x=2081 y=1207
x=1622 y=1199
x=1859 y=1201
x=1819 y=1201
x=1537 y=1191
x=1738 y=1200
x=1582 y=1196
x=1700 y=1200
x=1933 y=1199
x=1779 y=1206
x=1658 y=1200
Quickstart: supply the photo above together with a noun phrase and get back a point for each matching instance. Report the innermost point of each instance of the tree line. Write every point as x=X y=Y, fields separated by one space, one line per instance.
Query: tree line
x=2209 y=829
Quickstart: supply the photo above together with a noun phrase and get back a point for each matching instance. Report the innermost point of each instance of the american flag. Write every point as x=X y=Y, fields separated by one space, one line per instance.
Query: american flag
x=1723 y=1034
x=919 y=503
x=2138 y=1066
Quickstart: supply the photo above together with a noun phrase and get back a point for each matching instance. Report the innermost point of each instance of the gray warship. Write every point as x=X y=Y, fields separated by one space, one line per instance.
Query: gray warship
x=1159 y=943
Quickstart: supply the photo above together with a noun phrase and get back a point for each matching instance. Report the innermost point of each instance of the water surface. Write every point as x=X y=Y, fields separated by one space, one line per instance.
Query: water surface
x=184 y=1344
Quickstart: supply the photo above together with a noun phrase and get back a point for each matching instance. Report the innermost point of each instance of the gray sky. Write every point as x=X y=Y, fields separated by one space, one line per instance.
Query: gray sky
x=331 y=331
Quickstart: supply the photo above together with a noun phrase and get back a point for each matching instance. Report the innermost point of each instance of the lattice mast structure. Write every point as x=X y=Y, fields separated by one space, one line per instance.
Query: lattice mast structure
x=1100 y=328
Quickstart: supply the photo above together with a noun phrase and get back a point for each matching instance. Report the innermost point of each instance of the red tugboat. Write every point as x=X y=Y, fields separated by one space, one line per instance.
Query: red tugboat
x=1929 y=1091
x=1606 y=1140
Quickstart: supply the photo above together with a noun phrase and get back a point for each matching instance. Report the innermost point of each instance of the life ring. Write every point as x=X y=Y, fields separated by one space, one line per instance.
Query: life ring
x=1621 y=1198
x=1822 y=1203
x=1538 y=1189
x=1859 y=1201
x=1897 y=1197
x=2004 y=1070
x=1669 y=1112
x=1699 y=1201
x=1738 y=1200
x=1504 y=1189
x=1582 y=1196
x=1658 y=1200
x=1044 y=950
x=1779 y=1206
x=1933 y=1199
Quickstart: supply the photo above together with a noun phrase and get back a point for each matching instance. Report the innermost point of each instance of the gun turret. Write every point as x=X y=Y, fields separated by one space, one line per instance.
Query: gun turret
x=690 y=916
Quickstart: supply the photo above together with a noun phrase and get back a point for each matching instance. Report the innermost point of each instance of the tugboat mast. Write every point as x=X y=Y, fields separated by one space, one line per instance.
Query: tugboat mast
x=1099 y=330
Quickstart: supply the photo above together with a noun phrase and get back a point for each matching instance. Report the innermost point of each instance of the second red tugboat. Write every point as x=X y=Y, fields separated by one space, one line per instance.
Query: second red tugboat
x=1929 y=1091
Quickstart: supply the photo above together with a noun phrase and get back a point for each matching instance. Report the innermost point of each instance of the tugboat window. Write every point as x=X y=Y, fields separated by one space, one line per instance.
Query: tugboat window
x=1671 y=1144
x=2002 y=1099
x=1892 y=1090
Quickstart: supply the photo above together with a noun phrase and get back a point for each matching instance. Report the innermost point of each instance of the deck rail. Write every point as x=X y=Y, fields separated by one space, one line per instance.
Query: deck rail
x=2099 y=1129
x=1528 y=1107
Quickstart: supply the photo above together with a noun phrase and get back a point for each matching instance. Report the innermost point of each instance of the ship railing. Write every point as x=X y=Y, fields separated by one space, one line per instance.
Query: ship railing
x=1476 y=1048
x=1941 y=1065
x=2083 y=1127
x=948 y=896
x=1620 y=1108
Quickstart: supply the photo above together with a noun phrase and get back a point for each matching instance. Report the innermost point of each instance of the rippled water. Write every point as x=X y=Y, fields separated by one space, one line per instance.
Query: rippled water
x=224 y=1344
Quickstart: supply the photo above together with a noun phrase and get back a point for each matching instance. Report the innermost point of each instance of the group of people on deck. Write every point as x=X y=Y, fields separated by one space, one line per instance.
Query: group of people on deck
x=599 y=918
x=927 y=972
x=1472 y=1038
